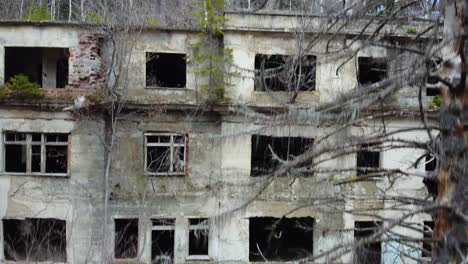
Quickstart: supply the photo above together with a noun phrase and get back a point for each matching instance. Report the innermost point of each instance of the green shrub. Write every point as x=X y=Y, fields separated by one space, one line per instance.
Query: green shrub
x=20 y=87
x=34 y=12
x=411 y=31
x=151 y=21
x=93 y=17
x=436 y=102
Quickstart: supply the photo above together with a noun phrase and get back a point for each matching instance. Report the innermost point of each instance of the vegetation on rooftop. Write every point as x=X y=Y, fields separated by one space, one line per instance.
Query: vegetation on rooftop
x=20 y=87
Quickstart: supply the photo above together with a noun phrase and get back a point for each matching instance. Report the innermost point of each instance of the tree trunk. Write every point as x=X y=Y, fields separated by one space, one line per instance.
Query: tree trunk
x=451 y=229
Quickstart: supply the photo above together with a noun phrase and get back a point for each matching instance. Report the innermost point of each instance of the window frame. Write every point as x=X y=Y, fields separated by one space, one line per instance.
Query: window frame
x=198 y=227
x=156 y=53
x=43 y=154
x=114 y=223
x=171 y=146
x=159 y=227
x=365 y=149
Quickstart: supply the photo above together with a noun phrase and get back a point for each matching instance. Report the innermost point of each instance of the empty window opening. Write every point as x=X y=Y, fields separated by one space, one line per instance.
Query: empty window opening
x=369 y=253
x=36 y=153
x=162 y=241
x=431 y=163
x=35 y=240
x=126 y=238
x=368 y=159
x=198 y=237
x=167 y=70
x=47 y=67
x=284 y=73
x=431 y=91
x=165 y=154
x=427 y=236
x=280 y=239
x=371 y=70
x=286 y=148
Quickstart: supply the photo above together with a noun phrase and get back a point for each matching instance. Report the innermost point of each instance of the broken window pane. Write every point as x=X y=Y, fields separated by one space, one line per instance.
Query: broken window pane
x=162 y=241
x=198 y=236
x=56 y=159
x=35 y=240
x=27 y=153
x=427 y=236
x=371 y=70
x=368 y=159
x=280 y=239
x=126 y=238
x=165 y=154
x=369 y=253
x=167 y=70
x=284 y=73
x=47 y=67
x=286 y=148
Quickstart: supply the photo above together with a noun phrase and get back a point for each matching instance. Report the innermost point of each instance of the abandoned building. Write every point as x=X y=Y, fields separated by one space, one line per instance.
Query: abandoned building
x=187 y=184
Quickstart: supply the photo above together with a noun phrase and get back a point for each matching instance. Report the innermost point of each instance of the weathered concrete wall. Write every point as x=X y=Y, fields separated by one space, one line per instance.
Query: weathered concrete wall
x=76 y=198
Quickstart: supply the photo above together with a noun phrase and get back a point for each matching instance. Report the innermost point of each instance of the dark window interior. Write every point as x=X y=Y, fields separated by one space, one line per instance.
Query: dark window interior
x=427 y=244
x=56 y=159
x=126 y=238
x=371 y=70
x=432 y=91
x=369 y=253
x=284 y=73
x=15 y=158
x=431 y=163
x=280 y=239
x=286 y=148
x=47 y=67
x=166 y=70
x=162 y=241
x=368 y=159
x=198 y=237
x=35 y=240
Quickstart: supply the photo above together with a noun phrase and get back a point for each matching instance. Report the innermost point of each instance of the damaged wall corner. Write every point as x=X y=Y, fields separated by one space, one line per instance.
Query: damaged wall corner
x=85 y=63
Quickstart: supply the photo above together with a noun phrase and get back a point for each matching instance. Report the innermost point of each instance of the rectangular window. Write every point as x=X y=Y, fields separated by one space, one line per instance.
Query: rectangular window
x=36 y=153
x=198 y=237
x=368 y=159
x=126 y=238
x=371 y=70
x=286 y=148
x=284 y=73
x=162 y=241
x=369 y=253
x=47 y=67
x=280 y=239
x=35 y=240
x=165 y=154
x=427 y=236
x=166 y=70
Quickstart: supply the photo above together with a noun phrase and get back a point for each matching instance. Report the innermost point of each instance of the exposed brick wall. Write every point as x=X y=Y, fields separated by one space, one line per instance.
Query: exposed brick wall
x=85 y=63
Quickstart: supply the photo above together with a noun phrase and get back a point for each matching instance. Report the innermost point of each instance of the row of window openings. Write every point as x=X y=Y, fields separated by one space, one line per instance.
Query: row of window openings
x=166 y=153
x=272 y=239
x=49 y=68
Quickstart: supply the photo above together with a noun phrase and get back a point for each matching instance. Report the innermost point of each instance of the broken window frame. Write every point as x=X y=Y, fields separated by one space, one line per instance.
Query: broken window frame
x=164 y=225
x=372 y=62
x=365 y=233
x=272 y=79
x=204 y=228
x=274 y=240
x=171 y=145
x=31 y=241
x=259 y=168
x=373 y=148
x=149 y=57
x=119 y=237
x=29 y=143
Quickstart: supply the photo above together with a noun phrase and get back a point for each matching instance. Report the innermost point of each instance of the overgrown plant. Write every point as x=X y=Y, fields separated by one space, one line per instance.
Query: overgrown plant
x=20 y=87
x=35 y=12
x=209 y=55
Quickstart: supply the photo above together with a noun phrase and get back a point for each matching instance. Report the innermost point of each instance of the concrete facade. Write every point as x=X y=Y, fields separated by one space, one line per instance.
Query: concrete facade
x=216 y=183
